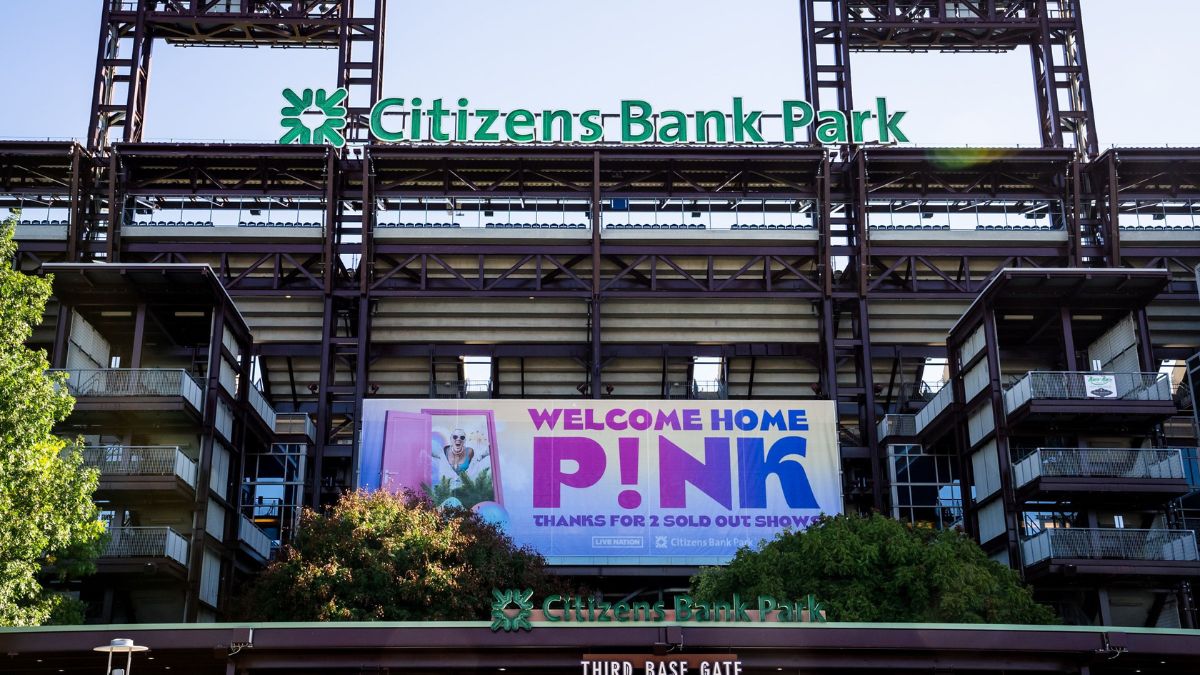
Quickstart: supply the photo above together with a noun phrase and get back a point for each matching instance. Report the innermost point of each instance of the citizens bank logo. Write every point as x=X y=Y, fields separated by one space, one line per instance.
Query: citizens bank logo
x=508 y=618
x=326 y=104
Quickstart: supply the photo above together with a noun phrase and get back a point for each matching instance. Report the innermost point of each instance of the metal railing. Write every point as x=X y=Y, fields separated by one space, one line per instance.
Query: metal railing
x=295 y=424
x=252 y=536
x=1099 y=463
x=141 y=460
x=146 y=542
x=260 y=405
x=698 y=390
x=461 y=389
x=84 y=382
x=898 y=425
x=1110 y=544
x=939 y=403
x=1065 y=385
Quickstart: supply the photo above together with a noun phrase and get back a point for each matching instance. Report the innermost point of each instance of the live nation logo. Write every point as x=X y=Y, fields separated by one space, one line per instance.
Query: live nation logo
x=314 y=103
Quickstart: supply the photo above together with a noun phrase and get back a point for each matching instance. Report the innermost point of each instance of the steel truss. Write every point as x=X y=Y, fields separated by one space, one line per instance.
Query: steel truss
x=843 y=267
x=840 y=268
x=1052 y=29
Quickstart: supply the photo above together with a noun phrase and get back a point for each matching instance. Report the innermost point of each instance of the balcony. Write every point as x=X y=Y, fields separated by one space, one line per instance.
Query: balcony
x=295 y=424
x=898 y=426
x=936 y=406
x=256 y=541
x=138 y=468
x=699 y=390
x=134 y=549
x=1134 y=474
x=104 y=390
x=1078 y=397
x=265 y=412
x=1112 y=551
x=461 y=389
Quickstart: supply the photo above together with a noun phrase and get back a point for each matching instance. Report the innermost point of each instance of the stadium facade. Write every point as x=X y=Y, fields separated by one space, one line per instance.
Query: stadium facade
x=225 y=310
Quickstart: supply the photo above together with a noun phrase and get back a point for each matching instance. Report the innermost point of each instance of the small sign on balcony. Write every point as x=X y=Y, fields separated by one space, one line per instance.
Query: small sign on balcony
x=1101 y=386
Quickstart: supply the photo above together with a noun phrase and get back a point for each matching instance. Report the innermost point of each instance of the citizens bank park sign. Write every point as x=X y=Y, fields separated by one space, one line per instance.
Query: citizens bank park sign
x=319 y=116
x=613 y=482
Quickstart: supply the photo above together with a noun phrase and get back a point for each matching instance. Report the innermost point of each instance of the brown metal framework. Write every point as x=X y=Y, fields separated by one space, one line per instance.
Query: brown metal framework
x=847 y=267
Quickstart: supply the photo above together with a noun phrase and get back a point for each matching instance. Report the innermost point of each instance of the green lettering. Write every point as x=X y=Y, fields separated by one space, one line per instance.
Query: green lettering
x=436 y=115
x=889 y=125
x=377 y=129
x=683 y=607
x=564 y=118
x=703 y=117
x=740 y=608
x=487 y=119
x=516 y=121
x=621 y=609
x=672 y=127
x=414 y=131
x=743 y=125
x=816 y=611
x=831 y=126
x=859 y=117
x=660 y=613
x=785 y=611
x=461 y=119
x=641 y=611
x=766 y=605
x=636 y=114
x=593 y=131
x=547 y=608
x=791 y=122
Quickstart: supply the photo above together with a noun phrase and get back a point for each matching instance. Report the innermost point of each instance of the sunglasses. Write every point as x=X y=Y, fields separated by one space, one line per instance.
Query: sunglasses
x=457 y=436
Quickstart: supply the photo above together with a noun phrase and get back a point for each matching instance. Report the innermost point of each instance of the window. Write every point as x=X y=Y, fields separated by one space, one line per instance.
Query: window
x=925 y=487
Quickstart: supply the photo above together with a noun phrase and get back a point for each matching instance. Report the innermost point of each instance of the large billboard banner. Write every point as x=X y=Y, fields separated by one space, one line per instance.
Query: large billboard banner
x=613 y=482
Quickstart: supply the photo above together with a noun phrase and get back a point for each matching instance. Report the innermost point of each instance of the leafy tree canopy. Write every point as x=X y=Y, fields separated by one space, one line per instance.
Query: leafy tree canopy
x=878 y=569
x=379 y=556
x=47 y=517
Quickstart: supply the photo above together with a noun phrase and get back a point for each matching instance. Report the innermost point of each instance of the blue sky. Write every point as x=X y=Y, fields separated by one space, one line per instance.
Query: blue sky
x=686 y=54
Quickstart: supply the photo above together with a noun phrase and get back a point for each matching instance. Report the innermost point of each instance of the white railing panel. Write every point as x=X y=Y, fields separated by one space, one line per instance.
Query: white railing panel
x=897 y=425
x=260 y=405
x=1068 y=385
x=1111 y=544
x=146 y=542
x=141 y=460
x=940 y=402
x=256 y=539
x=141 y=382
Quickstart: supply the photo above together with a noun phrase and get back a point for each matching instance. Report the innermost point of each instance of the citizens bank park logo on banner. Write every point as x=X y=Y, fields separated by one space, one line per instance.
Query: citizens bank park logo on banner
x=319 y=116
x=653 y=482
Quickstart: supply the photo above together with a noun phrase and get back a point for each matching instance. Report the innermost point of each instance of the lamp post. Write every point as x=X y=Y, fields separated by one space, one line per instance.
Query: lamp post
x=119 y=645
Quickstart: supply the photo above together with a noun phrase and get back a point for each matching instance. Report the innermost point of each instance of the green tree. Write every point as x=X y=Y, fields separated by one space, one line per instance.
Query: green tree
x=379 y=556
x=47 y=518
x=876 y=569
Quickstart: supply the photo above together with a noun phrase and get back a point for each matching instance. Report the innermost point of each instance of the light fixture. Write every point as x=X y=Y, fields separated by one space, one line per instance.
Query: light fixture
x=120 y=645
x=189 y=315
x=1018 y=317
x=115 y=313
